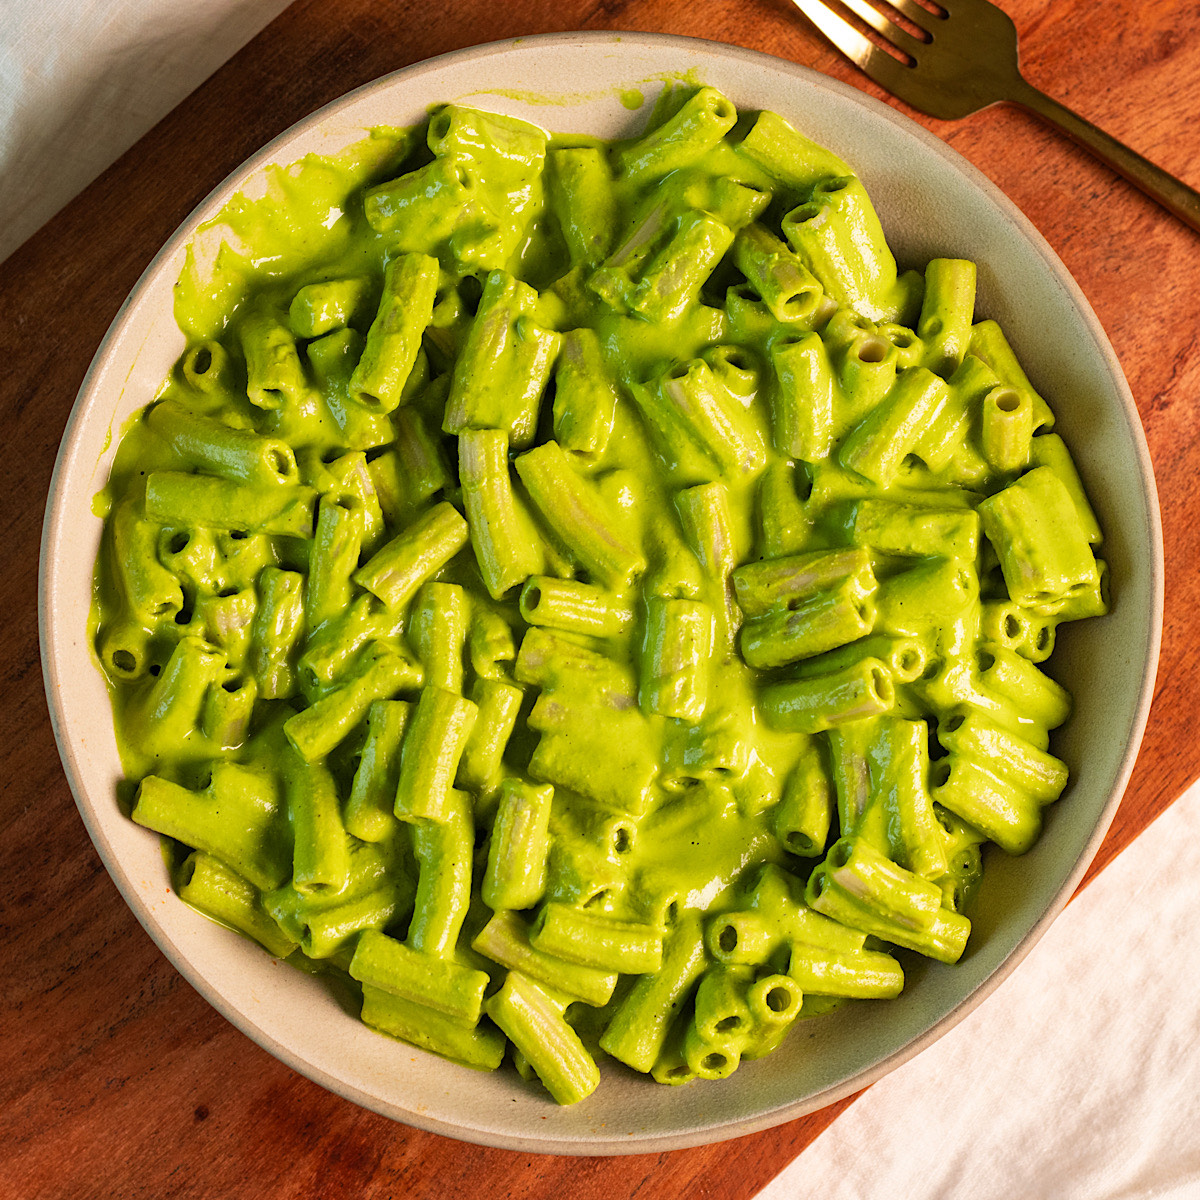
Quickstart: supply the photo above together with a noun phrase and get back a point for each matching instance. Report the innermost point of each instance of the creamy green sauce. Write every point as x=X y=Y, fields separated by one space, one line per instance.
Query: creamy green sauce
x=308 y=226
x=695 y=834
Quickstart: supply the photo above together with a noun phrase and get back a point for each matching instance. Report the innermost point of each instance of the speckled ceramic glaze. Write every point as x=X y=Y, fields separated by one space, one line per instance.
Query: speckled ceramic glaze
x=932 y=204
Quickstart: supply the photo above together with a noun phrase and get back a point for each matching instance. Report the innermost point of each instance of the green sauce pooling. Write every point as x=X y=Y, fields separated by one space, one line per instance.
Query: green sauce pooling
x=587 y=594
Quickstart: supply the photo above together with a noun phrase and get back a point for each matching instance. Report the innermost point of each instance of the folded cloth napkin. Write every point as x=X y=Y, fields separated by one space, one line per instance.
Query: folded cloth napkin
x=1077 y=1079
x=82 y=80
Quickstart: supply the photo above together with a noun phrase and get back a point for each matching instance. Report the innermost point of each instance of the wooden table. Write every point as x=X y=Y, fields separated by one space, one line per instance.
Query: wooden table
x=116 y=1079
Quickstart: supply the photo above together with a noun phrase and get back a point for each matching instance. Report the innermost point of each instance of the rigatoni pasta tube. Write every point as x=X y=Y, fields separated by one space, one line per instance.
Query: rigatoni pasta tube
x=274 y=375
x=676 y=649
x=538 y=1029
x=712 y=1059
x=585 y=396
x=150 y=589
x=209 y=885
x=946 y=312
x=553 y=662
x=687 y=407
x=321 y=854
x=735 y=370
x=505 y=940
x=226 y=712
x=405 y=308
x=504 y=364
x=783 y=522
x=638 y=1029
x=330 y=651
x=804 y=397
x=320 y=308
x=332 y=559
x=577 y=512
x=838 y=236
x=433 y=744
x=252 y=844
x=788 y=288
x=804 y=815
x=813 y=705
x=333 y=359
x=989 y=344
x=876 y=447
x=205 y=366
x=914 y=530
x=691 y=132
x=505 y=542
x=1007 y=428
x=742 y=937
x=423 y=206
x=787 y=155
x=225 y=620
x=396 y=572
x=437 y=631
x=170 y=710
x=859 y=974
x=875 y=880
x=944 y=939
x=1043 y=548
x=370 y=812
x=581 y=197
x=1051 y=451
x=673 y=277
x=997 y=807
x=899 y=758
x=180 y=498
x=238 y=454
x=938 y=589
x=573 y=606
x=443 y=850
x=481 y=1047
x=824 y=622
x=721 y=1007
x=866 y=372
x=412 y=470
x=953 y=434
x=774 y=1000
x=1040 y=775
x=704 y=512
x=596 y=940
x=438 y=983
x=123 y=647
x=516 y=863
x=498 y=704
x=787 y=581
x=379 y=674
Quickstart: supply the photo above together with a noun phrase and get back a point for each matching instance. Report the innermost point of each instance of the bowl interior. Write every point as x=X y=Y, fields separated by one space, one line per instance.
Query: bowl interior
x=932 y=204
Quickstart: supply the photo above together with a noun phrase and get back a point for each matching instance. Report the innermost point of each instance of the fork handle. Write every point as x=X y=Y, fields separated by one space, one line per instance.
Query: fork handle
x=1173 y=194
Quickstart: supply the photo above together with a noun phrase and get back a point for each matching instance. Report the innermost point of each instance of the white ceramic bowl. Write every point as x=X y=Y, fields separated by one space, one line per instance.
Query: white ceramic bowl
x=932 y=204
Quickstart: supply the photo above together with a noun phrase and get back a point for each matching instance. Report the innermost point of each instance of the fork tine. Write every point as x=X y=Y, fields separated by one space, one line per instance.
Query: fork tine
x=917 y=14
x=900 y=38
x=878 y=64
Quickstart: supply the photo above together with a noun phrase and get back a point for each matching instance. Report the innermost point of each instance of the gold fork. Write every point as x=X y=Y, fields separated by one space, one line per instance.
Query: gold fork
x=967 y=60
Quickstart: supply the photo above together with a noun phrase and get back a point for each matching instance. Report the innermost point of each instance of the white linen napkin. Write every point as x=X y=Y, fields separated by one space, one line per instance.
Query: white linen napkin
x=1077 y=1079
x=82 y=80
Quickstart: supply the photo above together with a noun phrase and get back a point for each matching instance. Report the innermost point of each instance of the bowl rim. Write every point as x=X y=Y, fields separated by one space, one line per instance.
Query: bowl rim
x=49 y=635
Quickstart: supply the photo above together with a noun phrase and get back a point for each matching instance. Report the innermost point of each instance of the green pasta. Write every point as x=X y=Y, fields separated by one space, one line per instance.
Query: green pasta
x=601 y=602
x=405 y=309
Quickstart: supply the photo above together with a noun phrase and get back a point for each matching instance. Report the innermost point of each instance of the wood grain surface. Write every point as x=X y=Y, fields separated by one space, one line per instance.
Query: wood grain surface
x=116 y=1079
